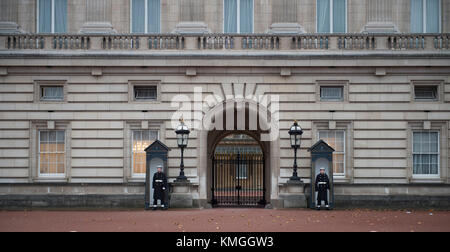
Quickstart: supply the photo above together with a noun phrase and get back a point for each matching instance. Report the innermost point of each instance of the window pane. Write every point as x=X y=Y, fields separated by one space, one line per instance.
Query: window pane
x=323 y=16
x=230 y=16
x=338 y=163
x=246 y=16
x=60 y=16
x=43 y=136
x=339 y=9
x=416 y=16
x=433 y=16
x=52 y=93
x=339 y=141
x=43 y=164
x=145 y=92
x=331 y=93
x=45 y=16
x=425 y=92
x=138 y=16
x=60 y=138
x=416 y=142
x=154 y=17
x=434 y=144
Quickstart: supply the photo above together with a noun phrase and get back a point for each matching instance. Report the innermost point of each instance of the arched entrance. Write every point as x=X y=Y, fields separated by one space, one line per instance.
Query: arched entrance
x=238 y=172
x=238 y=120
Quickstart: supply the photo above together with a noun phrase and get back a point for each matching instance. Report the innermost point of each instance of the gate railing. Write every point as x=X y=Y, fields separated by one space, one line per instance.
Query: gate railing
x=238 y=180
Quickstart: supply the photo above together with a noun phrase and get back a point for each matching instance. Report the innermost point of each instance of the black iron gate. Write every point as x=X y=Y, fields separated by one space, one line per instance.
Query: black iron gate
x=238 y=180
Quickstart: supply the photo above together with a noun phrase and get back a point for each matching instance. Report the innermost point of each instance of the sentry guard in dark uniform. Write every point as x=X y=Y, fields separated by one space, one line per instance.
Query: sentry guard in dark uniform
x=159 y=186
x=322 y=187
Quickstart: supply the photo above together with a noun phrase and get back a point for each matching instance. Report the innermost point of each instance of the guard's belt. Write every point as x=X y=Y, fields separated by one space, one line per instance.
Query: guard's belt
x=322 y=183
x=158 y=180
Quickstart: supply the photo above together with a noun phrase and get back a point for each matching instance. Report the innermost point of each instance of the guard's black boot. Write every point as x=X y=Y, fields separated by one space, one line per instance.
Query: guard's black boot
x=327 y=207
x=318 y=208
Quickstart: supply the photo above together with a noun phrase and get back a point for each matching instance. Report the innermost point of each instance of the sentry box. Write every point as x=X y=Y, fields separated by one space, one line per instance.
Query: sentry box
x=321 y=159
x=156 y=155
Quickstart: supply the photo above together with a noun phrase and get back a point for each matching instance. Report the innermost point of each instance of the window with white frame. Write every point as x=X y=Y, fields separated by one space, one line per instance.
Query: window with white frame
x=426 y=154
x=52 y=153
x=52 y=93
x=52 y=16
x=141 y=139
x=331 y=16
x=425 y=16
x=336 y=139
x=238 y=16
x=145 y=16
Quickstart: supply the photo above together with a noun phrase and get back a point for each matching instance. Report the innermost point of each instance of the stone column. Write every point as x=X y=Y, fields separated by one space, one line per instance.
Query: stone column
x=379 y=16
x=9 y=14
x=98 y=17
x=285 y=17
x=192 y=17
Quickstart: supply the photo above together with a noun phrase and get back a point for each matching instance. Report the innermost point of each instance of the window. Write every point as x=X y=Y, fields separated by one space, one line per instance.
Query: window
x=331 y=93
x=52 y=146
x=425 y=16
x=145 y=16
x=425 y=92
x=238 y=16
x=141 y=139
x=426 y=153
x=52 y=16
x=145 y=92
x=336 y=139
x=52 y=93
x=332 y=16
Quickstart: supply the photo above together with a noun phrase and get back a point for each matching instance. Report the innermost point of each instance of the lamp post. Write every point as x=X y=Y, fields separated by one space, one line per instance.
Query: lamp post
x=295 y=133
x=182 y=141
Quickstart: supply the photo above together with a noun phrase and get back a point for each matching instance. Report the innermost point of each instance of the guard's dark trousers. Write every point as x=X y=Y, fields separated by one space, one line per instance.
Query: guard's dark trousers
x=322 y=195
x=160 y=187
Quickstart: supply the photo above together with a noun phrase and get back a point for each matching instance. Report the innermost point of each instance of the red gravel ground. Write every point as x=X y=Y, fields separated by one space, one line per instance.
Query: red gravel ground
x=226 y=220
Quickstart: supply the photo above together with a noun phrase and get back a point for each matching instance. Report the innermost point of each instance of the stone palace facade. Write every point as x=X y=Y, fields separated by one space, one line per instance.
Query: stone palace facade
x=87 y=85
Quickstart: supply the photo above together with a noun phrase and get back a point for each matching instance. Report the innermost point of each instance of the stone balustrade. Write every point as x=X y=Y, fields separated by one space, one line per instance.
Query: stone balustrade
x=227 y=42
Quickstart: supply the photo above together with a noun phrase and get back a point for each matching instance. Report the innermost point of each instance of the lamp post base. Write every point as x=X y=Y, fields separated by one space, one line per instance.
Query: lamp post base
x=181 y=179
x=294 y=178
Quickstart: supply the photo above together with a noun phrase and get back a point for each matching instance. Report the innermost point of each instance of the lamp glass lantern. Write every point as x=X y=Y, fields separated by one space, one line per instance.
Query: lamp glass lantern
x=295 y=133
x=182 y=135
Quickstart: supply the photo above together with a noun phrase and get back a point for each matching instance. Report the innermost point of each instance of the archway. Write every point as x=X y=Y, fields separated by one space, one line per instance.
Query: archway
x=241 y=116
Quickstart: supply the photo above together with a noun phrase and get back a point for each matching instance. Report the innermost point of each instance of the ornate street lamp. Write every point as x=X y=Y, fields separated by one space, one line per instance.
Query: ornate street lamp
x=295 y=133
x=182 y=141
